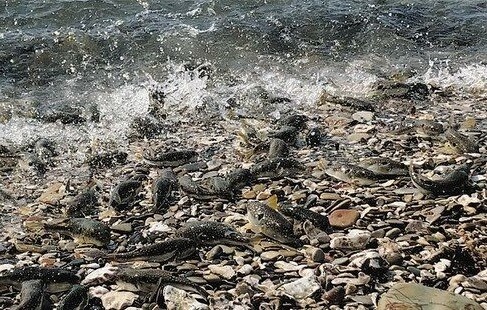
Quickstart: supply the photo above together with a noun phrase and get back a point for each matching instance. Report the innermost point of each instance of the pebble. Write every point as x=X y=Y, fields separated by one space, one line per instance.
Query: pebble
x=116 y=300
x=343 y=218
x=226 y=272
x=413 y=296
x=122 y=228
x=316 y=254
x=301 y=288
x=354 y=240
x=179 y=299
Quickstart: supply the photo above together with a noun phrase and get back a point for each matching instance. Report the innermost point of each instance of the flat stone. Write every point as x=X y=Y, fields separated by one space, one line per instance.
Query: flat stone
x=118 y=300
x=122 y=228
x=343 y=218
x=179 y=299
x=330 y=196
x=413 y=296
x=53 y=194
x=301 y=288
x=363 y=116
x=226 y=272
x=354 y=240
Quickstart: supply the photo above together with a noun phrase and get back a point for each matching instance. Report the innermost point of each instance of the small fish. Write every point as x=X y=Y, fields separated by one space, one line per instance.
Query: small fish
x=239 y=178
x=424 y=128
x=295 y=120
x=428 y=128
x=277 y=148
x=384 y=167
x=76 y=299
x=459 y=143
x=178 y=248
x=276 y=168
x=47 y=275
x=207 y=189
x=211 y=233
x=171 y=158
x=272 y=224
x=286 y=133
x=314 y=137
x=351 y=174
x=32 y=295
x=162 y=189
x=125 y=193
x=82 y=230
x=154 y=276
x=302 y=214
x=83 y=204
x=454 y=183
x=353 y=103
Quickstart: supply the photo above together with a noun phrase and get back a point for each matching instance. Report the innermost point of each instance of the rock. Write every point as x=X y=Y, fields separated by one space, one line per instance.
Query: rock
x=179 y=299
x=343 y=218
x=214 y=253
x=413 y=296
x=363 y=116
x=226 y=272
x=118 y=300
x=53 y=194
x=355 y=240
x=301 y=288
x=316 y=254
x=122 y=228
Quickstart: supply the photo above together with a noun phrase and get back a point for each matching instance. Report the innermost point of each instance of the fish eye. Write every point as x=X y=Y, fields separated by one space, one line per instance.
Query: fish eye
x=259 y=216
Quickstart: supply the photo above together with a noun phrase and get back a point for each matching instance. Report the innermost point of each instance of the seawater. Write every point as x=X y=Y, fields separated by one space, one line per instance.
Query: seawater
x=108 y=54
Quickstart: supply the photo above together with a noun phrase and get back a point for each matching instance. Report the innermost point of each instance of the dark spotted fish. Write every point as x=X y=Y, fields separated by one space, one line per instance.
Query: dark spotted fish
x=170 y=159
x=154 y=276
x=384 y=167
x=351 y=174
x=177 y=248
x=272 y=223
x=162 y=190
x=302 y=214
x=32 y=295
x=209 y=232
x=276 y=168
x=76 y=299
x=454 y=183
x=460 y=143
x=82 y=230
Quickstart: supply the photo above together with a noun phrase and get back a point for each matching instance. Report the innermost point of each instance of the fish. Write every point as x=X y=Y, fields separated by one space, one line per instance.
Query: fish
x=272 y=224
x=76 y=299
x=211 y=233
x=175 y=158
x=82 y=230
x=454 y=183
x=424 y=128
x=302 y=214
x=384 y=167
x=83 y=204
x=155 y=276
x=351 y=174
x=459 y=143
x=55 y=279
x=277 y=148
x=125 y=193
x=295 y=120
x=277 y=168
x=162 y=189
x=286 y=133
x=32 y=295
x=177 y=248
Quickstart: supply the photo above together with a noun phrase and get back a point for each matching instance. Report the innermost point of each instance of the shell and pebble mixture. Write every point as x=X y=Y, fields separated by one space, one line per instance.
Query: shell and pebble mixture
x=351 y=204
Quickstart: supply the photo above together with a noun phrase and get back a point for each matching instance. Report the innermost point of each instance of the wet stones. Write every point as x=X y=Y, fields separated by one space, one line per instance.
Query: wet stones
x=355 y=240
x=419 y=297
x=343 y=218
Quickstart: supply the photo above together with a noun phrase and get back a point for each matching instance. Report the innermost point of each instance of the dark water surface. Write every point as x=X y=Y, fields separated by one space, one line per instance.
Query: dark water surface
x=106 y=53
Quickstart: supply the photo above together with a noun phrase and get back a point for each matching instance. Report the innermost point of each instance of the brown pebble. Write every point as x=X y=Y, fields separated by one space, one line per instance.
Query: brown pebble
x=343 y=218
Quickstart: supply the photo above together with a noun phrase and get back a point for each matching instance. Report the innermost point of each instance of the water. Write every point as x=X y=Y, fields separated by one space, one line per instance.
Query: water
x=107 y=54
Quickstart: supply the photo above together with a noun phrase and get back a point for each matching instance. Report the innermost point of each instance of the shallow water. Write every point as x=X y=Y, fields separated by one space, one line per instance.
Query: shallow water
x=106 y=54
